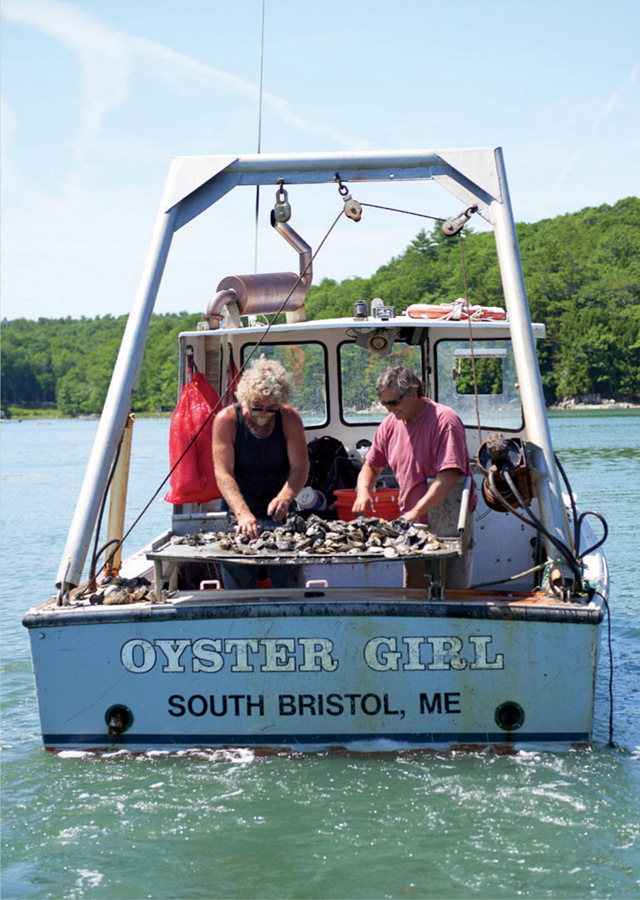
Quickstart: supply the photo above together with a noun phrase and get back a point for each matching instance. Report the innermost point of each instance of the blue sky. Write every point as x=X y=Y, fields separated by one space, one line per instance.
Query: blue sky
x=98 y=96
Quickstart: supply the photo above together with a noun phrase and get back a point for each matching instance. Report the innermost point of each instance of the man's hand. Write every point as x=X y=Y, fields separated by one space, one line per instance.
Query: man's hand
x=438 y=490
x=366 y=482
x=247 y=525
x=363 y=501
x=278 y=508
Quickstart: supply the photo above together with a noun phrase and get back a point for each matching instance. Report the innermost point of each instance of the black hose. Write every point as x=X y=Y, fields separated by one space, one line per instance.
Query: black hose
x=103 y=548
x=603 y=522
x=574 y=510
x=533 y=521
x=577 y=520
x=559 y=545
x=606 y=605
x=96 y=552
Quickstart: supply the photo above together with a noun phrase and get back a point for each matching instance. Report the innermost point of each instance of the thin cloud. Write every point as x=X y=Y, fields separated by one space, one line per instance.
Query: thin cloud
x=156 y=51
x=615 y=98
x=105 y=57
x=8 y=125
x=108 y=57
x=604 y=113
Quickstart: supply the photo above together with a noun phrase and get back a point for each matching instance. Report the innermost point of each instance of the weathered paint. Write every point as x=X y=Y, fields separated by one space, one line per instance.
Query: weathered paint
x=314 y=679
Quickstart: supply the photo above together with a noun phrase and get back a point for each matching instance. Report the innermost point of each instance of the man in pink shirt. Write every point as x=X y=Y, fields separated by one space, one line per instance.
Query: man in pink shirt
x=419 y=440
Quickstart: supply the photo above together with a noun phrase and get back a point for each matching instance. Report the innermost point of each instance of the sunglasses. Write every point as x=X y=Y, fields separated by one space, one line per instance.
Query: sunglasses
x=265 y=409
x=392 y=403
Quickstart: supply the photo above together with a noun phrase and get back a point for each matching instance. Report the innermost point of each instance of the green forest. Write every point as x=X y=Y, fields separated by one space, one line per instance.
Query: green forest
x=582 y=272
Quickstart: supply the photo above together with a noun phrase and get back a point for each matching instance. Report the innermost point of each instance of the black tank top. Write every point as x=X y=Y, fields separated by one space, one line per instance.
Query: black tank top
x=261 y=464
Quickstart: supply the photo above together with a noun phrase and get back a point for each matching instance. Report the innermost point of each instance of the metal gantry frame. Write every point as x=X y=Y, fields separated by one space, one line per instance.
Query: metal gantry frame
x=475 y=176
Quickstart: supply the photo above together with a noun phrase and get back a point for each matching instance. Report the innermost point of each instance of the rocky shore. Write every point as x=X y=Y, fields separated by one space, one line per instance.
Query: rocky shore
x=593 y=401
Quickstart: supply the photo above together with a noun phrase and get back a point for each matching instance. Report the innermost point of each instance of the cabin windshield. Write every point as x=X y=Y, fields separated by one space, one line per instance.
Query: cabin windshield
x=499 y=401
x=359 y=371
x=306 y=367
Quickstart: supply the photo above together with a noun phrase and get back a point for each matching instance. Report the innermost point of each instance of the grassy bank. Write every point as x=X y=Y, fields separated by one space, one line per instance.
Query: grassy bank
x=32 y=411
x=51 y=412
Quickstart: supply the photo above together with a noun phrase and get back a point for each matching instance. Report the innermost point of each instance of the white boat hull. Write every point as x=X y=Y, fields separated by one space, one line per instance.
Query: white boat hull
x=296 y=670
x=363 y=660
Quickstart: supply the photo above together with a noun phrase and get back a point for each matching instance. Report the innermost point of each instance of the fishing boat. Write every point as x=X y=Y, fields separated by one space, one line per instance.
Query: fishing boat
x=153 y=652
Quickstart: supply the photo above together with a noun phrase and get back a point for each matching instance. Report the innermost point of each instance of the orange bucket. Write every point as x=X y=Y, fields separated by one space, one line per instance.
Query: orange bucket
x=385 y=504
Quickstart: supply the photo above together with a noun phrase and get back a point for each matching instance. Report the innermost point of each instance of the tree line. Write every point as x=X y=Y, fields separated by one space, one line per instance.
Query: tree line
x=68 y=362
x=582 y=273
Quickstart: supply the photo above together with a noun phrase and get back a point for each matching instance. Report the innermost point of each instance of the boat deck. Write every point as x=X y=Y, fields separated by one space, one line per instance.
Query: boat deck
x=321 y=601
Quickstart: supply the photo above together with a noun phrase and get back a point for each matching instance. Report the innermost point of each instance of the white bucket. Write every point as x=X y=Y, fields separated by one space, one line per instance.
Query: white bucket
x=357 y=454
x=308 y=498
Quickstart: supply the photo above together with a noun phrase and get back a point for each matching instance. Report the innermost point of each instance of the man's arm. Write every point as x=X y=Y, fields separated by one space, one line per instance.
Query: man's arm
x=224 y=459
x=298 y=464
x=438 y=490
x=366 y=481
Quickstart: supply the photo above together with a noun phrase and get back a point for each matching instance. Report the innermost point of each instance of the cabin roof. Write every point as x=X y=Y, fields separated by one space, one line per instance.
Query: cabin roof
x=503 y=328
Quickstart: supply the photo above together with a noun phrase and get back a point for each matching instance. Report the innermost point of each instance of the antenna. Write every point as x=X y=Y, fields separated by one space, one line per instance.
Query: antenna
x=255 y=252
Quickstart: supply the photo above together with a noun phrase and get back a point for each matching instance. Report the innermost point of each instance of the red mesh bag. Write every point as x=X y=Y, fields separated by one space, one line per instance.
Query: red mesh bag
x=194 y=479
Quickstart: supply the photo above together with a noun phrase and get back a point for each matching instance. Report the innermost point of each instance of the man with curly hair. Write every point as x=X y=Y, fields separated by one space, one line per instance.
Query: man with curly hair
x=261 y=462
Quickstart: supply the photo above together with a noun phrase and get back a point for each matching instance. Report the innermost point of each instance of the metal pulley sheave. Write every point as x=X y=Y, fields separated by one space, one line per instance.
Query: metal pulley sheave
x=282 y=208
x=455 y=224
x=352 y=209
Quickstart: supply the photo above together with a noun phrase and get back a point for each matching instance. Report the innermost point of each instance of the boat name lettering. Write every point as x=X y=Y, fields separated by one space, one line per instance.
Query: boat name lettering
x=288 y=654
x=382 y=654
x=208 y=655
x=347 y=704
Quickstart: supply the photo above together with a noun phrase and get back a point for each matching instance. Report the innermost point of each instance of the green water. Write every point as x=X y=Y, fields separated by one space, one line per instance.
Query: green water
x=236 y=824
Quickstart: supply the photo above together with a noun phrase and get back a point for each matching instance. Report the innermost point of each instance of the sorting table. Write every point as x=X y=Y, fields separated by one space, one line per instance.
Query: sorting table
x=174 y=552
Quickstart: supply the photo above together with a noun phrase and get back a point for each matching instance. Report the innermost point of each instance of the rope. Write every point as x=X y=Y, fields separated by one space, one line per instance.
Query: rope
x=473 y=359
x=466 y=297
x=229 y=386
x=405 y=212
x=261 y=339
x=543 y=565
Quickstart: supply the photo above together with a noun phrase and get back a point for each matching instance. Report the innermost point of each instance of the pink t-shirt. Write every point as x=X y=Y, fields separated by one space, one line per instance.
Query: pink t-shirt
x=420 y=450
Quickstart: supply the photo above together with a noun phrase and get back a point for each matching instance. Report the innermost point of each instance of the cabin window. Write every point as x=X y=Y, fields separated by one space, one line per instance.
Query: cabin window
x=359 y=371
x=306 y=367
x=498 y=394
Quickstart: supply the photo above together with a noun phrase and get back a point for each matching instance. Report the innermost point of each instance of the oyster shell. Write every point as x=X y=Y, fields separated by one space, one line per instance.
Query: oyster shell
x=364 y=536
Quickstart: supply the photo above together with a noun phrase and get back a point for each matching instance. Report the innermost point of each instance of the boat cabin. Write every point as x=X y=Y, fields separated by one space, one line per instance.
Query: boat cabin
x=333 y=366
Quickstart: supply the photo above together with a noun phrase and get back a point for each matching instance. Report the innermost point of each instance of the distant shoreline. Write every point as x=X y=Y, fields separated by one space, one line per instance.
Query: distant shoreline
x=571 y=405
x=53 y=416
x=563 y=406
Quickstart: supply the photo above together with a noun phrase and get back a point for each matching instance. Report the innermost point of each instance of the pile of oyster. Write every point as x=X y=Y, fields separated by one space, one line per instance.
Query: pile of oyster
x=116 y=590
x=319 y=537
